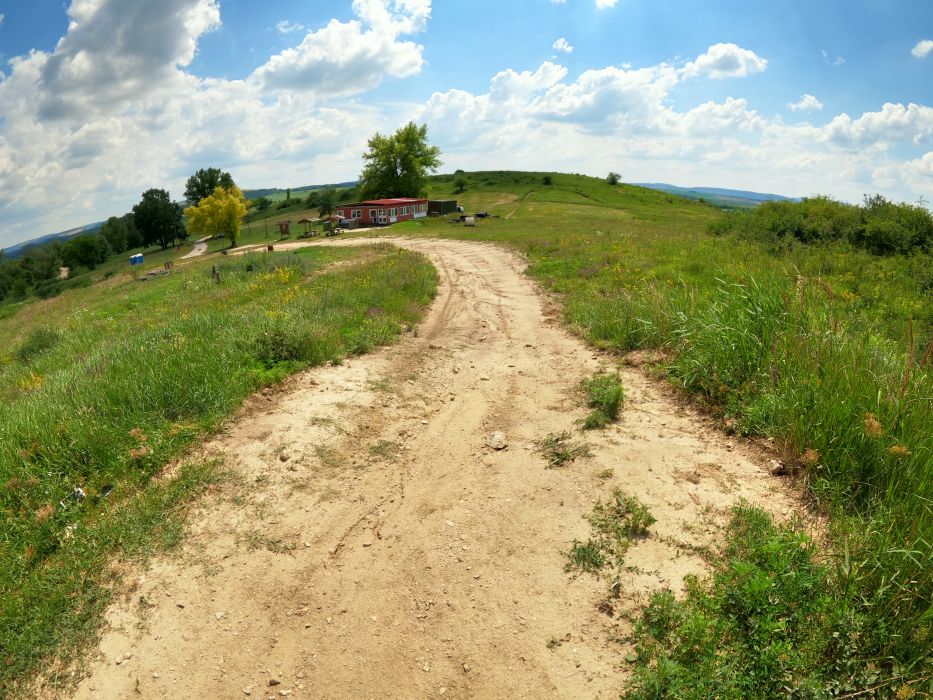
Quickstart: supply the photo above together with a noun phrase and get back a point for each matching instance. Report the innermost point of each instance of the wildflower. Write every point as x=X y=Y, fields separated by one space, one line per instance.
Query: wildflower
x=872 y=426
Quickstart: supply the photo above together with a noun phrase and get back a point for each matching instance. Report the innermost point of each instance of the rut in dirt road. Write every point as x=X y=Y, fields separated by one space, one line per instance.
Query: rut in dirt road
x=373 y=545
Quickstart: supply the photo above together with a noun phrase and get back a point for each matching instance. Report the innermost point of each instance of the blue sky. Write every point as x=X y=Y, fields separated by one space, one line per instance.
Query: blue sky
x=102 y=99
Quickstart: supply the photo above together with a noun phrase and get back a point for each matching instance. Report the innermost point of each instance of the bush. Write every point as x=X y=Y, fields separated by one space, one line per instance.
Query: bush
x=880 y=226
x=40 y=339
x=772 y=623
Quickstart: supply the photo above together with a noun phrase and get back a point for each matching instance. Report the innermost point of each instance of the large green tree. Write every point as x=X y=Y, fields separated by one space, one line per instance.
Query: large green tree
x=114 y=232
x=398 y=165
x=326 y=202
x=88 y=251
x=134 y=238
x=203 y=183
x=157 y=218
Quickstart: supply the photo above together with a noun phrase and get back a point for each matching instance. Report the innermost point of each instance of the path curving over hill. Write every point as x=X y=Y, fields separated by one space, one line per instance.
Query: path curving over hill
x=373 y=545
x=200 y=248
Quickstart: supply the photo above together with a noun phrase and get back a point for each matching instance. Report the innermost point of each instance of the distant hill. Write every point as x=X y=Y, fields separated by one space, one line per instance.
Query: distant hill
x=279 y=193
x=18 y=250
x=718 y=196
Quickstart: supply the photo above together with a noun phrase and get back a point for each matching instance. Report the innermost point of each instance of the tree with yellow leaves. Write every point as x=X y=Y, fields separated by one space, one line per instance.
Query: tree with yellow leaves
x=219 y=212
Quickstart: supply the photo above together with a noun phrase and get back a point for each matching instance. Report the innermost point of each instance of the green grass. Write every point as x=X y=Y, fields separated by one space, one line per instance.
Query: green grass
x=604 y=394
x=615 y=524
x=775 y=620
x=559 y=449
x=118 y=380
x=817 y=346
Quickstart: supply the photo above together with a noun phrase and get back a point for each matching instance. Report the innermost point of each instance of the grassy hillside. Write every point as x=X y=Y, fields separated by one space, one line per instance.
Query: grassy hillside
x=822 y=347
x=102 y=386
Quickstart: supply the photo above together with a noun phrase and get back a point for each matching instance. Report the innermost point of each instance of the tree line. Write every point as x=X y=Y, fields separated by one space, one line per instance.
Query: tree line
x=155 y=221
x=395 y=165
x=877 y=224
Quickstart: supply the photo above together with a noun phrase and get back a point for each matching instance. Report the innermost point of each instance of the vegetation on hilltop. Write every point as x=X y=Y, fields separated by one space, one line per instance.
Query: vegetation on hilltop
x=877 y=225
x=218 y=213
x=204 y=182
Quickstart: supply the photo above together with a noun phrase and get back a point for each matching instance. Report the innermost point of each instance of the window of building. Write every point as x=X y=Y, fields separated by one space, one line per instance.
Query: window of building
x=357 y=214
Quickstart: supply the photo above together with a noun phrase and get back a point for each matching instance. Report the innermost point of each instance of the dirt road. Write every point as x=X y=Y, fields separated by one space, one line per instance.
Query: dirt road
x=373 y=546
x=200 y=248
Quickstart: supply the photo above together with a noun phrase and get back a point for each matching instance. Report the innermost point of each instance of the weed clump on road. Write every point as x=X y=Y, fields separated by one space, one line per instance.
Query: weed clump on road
x=559 y=449
x=604 y=394
x=773 y=622
x=615 y=523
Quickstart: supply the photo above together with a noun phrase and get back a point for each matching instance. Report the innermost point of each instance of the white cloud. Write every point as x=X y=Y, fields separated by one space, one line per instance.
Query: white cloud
x=286 y=27
x=807 y=103
x=112 y=111
x=113 y=55
x=830 y=60
x=2 y=18
x=895 y=123
x=622 y=118
x=605 y=4
x=509 y=85
x=345 y=58
x=562 y=45
x=726 y=61
x=921 y=50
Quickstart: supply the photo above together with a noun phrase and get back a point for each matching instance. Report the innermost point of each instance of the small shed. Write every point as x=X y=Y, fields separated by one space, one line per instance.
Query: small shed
x=284 y=228
x=441 y=207
x=309 y=226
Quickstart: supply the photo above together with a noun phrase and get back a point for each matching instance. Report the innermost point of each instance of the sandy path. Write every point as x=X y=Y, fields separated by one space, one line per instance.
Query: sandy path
x=200 y=248
x=375 y=547
x=519 y=205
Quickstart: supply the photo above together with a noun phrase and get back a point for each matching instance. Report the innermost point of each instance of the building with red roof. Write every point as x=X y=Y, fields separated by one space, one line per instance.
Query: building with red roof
x=382 y=212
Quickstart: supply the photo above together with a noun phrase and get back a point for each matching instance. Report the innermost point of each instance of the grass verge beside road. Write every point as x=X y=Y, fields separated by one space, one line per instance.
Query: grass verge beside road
x=820 y=347
x=102 y=386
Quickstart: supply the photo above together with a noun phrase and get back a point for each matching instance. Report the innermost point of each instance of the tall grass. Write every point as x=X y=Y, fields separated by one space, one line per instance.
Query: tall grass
x=852 y=409
x=92 y=408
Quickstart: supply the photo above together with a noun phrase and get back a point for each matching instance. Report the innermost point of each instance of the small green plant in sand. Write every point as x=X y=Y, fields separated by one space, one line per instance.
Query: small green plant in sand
x=604 y=394
x=615 y=523
x=559 y=449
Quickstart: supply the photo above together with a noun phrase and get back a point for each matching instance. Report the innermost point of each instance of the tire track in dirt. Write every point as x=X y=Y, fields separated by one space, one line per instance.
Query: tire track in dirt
x=373 y=546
